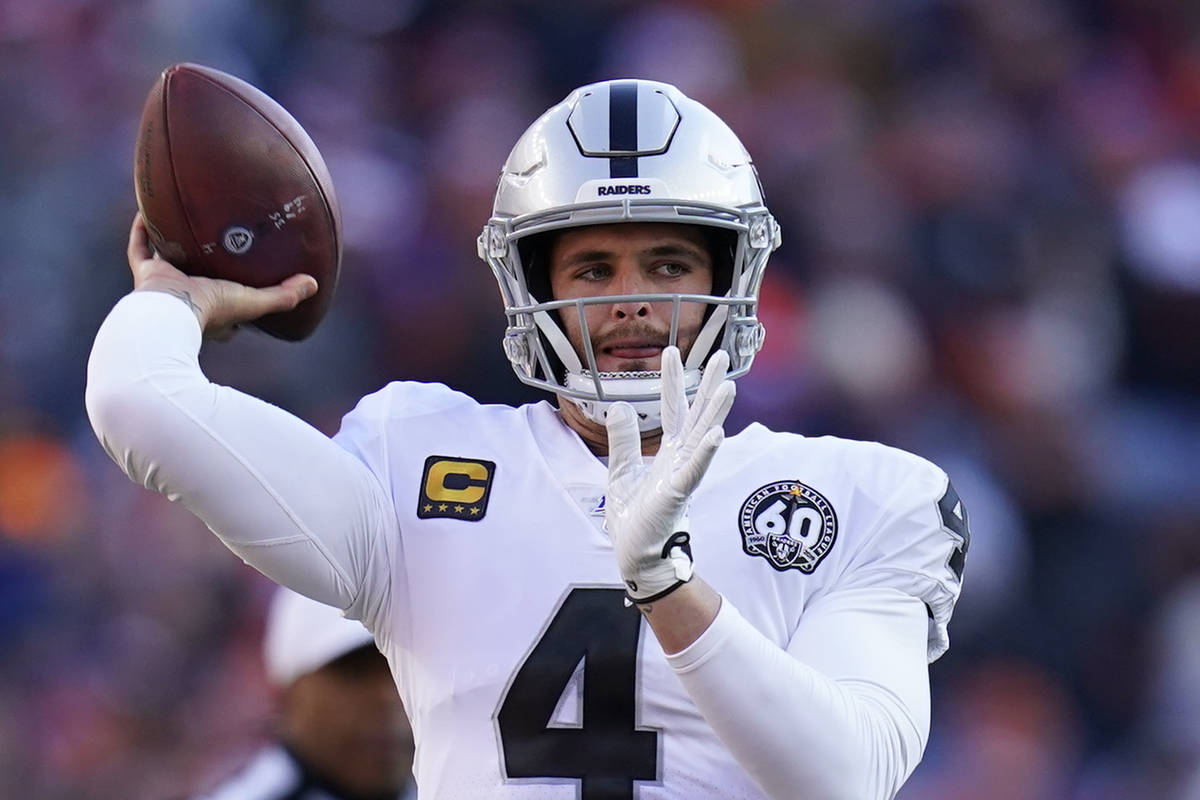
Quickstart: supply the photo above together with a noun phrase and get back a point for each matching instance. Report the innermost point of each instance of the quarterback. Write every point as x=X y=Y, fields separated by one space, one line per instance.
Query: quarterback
x=599 y=597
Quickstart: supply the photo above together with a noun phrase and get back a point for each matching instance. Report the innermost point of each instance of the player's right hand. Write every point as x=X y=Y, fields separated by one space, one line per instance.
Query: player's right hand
x=219 y=305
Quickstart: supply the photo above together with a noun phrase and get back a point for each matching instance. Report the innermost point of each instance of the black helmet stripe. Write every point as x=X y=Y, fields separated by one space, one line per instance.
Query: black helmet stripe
x=622 y=129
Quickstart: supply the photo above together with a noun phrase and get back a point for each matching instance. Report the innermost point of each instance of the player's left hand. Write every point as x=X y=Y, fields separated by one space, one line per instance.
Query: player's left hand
x=647 y=503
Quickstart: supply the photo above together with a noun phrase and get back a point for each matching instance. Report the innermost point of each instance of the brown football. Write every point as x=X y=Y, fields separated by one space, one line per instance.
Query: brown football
x=232 y=187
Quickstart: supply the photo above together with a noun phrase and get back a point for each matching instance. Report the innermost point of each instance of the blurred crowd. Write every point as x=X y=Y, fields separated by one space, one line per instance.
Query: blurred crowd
x=991 y=216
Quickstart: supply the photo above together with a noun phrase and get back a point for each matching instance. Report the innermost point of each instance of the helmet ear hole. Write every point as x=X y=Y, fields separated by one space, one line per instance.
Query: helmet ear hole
x=534 y=252
x=535 y=262
x=722 y=246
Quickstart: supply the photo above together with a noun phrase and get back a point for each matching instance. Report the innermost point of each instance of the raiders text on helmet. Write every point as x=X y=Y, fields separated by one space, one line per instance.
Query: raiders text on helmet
x=627 y=151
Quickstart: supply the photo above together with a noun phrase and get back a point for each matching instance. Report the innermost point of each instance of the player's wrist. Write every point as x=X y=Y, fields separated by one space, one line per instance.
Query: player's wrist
x=661 y=571
x=180 y=291
x=643 y=600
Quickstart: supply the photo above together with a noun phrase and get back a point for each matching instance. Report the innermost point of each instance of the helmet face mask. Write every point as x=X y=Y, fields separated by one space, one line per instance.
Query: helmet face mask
x=626 y=151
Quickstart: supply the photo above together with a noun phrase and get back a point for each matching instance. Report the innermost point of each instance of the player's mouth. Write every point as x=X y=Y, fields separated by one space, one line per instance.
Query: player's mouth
x=634 y=350
x=629 y=355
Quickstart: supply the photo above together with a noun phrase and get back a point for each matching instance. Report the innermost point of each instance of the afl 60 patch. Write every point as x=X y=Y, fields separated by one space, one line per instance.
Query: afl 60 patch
x=457 y=488
x=789 y=524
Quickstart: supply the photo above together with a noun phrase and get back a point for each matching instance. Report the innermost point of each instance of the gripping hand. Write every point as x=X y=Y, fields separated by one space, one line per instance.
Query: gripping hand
x=647 y=502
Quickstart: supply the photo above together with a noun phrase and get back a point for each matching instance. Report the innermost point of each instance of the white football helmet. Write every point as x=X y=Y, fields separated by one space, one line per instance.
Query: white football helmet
x=627 y=151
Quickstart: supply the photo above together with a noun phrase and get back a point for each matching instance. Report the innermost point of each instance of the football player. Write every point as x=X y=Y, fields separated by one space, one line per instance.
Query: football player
x=601 y=598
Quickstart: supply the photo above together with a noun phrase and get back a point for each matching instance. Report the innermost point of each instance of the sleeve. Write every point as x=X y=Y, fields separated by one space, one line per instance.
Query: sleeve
x=842 y=713
x=918 y=545
x=280 y=494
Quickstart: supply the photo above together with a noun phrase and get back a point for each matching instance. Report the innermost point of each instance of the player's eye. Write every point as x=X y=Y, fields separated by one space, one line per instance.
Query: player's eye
x=672 y=269
x=593 y=272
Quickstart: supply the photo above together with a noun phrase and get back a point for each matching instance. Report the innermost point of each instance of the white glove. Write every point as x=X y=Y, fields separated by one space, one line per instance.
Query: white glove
x=646 y=514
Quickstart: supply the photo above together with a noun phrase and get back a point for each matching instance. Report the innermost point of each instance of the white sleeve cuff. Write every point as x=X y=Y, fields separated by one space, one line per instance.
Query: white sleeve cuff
x=168 y=312
x=708 y=643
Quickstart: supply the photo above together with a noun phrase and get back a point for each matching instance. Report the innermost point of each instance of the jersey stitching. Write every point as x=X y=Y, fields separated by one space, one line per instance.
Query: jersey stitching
x=299 y=537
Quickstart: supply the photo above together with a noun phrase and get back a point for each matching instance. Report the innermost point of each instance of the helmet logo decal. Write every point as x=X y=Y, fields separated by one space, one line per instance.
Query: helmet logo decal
x=633 y=188
x=622 y=129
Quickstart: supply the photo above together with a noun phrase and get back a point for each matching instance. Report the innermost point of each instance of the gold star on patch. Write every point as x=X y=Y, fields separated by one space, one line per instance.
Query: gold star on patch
x=474 y=510
x=458 y=509
x=442 y=506
x=428 y=507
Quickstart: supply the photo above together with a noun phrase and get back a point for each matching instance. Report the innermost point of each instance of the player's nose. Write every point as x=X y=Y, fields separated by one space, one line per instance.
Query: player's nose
x=629 y=280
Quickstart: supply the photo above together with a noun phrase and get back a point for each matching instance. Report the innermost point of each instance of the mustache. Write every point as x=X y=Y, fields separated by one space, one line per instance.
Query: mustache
x=643 y=333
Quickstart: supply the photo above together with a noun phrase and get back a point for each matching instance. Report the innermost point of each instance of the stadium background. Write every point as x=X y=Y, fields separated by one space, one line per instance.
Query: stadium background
x=991 y=215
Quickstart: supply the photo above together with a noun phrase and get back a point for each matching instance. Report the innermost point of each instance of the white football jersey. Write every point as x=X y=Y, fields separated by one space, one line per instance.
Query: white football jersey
x=469 y=539
x=501 y=609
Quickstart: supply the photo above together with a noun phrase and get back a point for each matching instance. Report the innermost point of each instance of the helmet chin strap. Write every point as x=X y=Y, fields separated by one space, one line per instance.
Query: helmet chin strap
x=621 y=385
x=706 y=338
x=558 y=340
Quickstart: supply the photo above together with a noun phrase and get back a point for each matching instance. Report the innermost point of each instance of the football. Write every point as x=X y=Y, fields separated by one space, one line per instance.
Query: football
x=232 y=187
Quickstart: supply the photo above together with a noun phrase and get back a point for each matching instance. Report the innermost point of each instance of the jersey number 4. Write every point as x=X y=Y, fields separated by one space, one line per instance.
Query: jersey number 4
x=607 y=753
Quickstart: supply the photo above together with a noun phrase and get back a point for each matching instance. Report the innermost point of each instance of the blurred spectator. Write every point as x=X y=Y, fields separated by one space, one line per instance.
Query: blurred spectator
x=342 y=732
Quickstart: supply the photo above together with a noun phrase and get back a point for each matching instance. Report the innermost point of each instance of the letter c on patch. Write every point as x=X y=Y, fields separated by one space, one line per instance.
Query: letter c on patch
x=456 y=481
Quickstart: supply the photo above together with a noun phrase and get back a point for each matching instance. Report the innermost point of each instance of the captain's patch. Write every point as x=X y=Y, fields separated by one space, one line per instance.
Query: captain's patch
x=457 y=488
x=789 y=524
